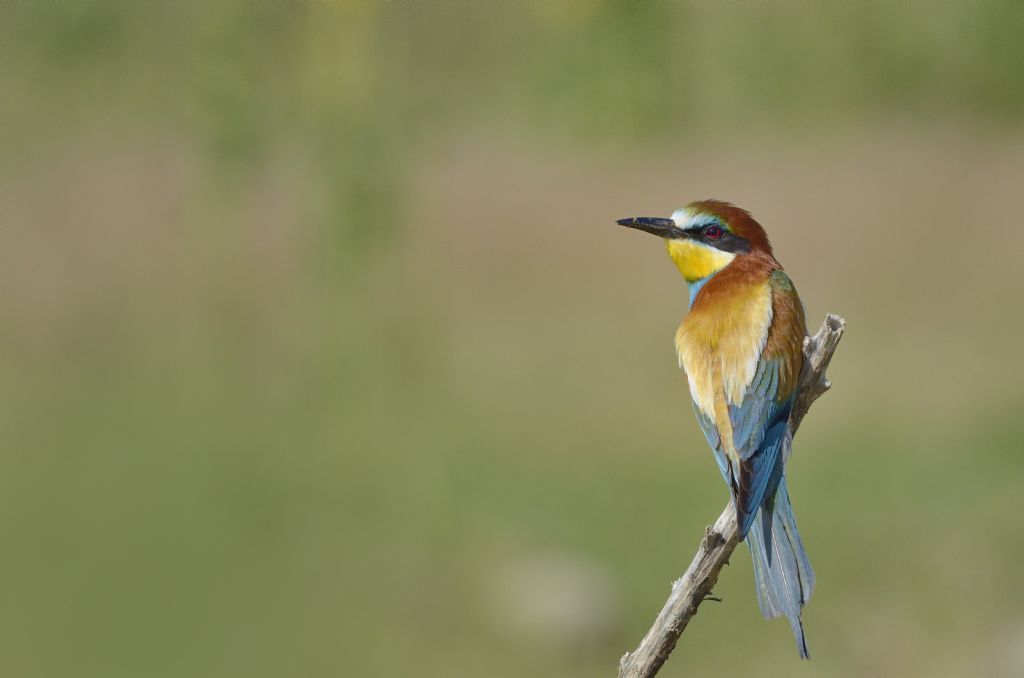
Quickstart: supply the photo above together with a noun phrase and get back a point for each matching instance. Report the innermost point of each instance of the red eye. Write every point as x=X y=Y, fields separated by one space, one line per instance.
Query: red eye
x=713 y=232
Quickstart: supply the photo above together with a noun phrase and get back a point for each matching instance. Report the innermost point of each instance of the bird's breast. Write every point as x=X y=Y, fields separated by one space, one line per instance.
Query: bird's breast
x=720 y=341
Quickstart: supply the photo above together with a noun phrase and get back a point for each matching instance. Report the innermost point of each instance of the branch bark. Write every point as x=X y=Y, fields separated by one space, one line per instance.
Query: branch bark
x=719 y=541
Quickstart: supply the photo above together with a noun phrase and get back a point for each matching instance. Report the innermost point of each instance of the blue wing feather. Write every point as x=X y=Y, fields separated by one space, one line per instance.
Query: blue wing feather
x=760 y=474
x=714 y=441
x=759 y=429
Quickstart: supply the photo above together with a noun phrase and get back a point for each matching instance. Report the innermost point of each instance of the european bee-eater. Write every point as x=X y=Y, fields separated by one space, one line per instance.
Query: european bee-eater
x=741 y=346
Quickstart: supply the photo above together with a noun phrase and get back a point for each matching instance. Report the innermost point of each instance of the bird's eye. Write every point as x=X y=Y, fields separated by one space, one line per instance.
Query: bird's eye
x=713 y=232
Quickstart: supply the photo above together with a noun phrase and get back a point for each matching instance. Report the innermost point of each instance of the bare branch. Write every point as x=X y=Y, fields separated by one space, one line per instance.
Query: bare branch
x=719 y=541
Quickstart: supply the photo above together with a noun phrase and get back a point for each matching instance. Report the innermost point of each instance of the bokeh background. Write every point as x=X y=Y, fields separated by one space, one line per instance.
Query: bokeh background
x=323 y=356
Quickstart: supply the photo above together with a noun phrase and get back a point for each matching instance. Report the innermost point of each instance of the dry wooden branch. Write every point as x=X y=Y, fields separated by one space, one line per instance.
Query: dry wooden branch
x=719 y=541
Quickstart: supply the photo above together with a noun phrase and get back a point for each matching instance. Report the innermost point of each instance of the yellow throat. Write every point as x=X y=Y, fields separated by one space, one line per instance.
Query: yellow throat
x=696 y=260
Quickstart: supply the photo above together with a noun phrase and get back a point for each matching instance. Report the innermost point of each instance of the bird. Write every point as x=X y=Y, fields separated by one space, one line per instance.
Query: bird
x=740 y=345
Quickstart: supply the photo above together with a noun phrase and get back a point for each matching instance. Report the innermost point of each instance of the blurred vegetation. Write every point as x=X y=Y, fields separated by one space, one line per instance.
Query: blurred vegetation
x=322 y=359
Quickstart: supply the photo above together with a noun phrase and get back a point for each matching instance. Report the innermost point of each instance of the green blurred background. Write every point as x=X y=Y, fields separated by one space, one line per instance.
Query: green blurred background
x=323 y=356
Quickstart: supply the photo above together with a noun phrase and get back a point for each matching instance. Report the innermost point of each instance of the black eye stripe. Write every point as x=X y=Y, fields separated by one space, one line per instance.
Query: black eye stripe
x=725 y=240
x=730 y=242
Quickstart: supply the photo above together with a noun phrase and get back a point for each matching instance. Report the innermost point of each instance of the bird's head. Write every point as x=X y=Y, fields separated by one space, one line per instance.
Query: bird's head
x=705 y=236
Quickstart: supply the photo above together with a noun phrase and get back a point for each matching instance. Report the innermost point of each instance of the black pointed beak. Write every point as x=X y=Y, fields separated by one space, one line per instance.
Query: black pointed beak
x=665 y=228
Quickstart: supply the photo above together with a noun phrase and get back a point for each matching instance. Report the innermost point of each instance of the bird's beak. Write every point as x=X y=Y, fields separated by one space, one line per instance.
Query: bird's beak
x=666 y=228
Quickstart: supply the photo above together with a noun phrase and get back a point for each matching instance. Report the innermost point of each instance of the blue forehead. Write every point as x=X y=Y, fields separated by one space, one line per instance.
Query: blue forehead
x=686 y=220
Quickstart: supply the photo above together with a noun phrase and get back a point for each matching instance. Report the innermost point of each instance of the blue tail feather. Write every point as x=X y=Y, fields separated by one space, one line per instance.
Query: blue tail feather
x=782 y=571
